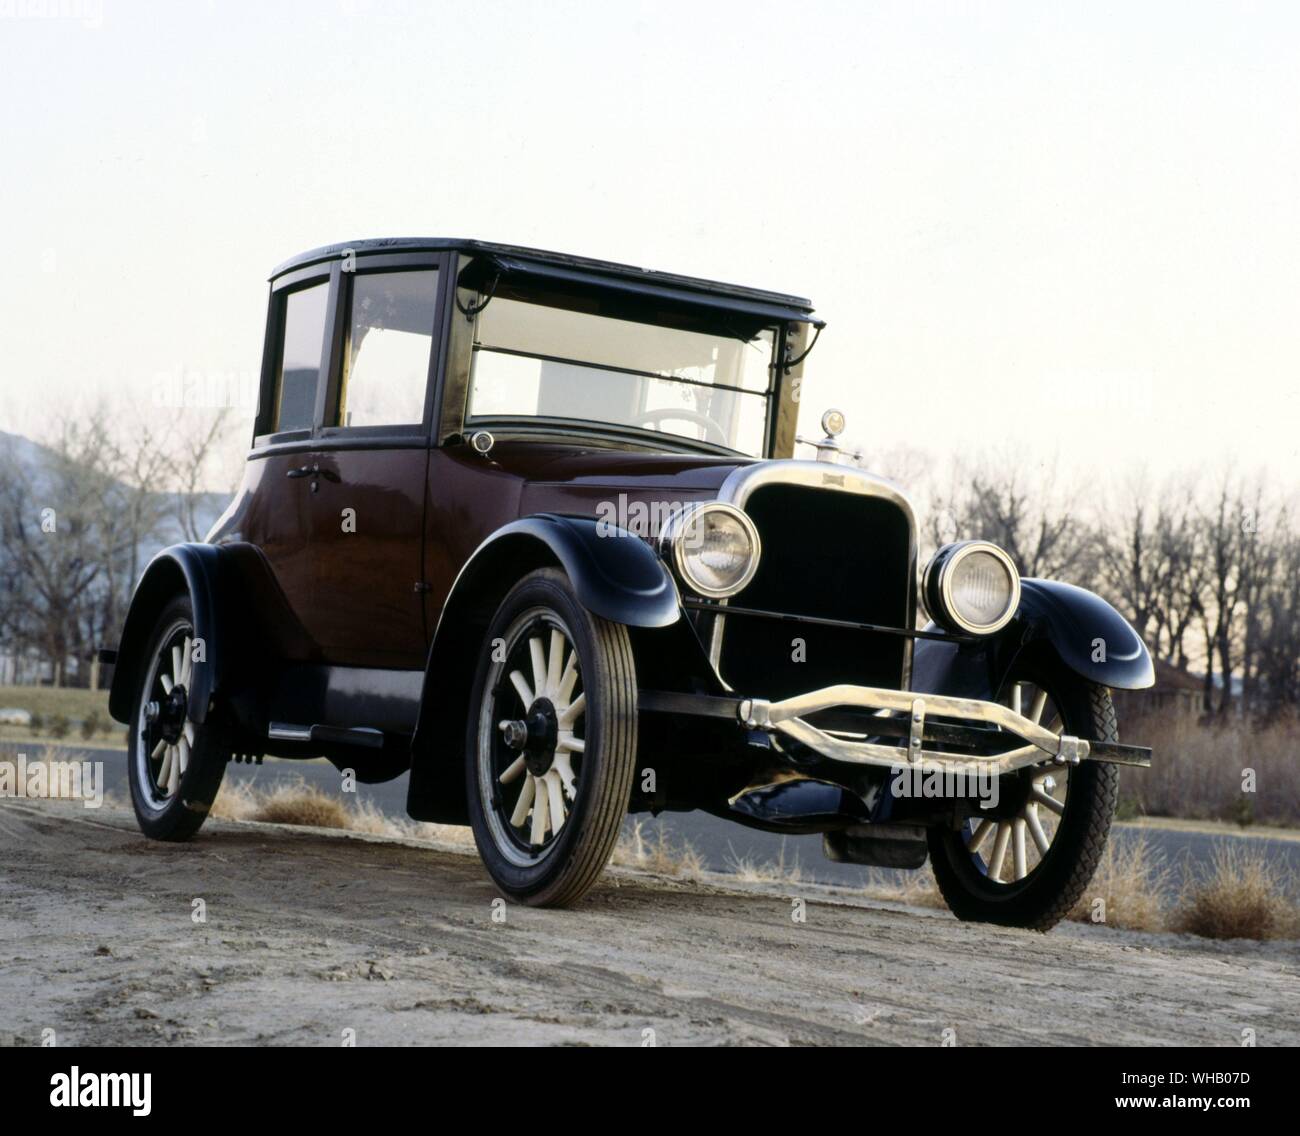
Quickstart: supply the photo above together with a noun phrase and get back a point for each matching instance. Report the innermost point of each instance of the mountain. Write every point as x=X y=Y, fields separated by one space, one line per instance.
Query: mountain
x=23 y=459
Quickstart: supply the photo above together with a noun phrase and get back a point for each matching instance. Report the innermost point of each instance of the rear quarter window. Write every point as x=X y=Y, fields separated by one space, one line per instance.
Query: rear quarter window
x=298 y=369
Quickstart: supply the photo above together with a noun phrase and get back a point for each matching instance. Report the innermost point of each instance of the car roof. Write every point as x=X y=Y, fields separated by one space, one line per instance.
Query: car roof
x=542 y=257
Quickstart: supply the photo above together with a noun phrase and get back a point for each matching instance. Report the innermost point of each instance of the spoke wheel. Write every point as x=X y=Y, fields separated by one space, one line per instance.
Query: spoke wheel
x=173 y=769
x=539 y=716
x=1028 y=864
x=1009 y=849
x=551 y=749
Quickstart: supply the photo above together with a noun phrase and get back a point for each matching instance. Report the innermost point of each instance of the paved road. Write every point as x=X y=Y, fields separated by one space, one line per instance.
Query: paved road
x=722 y=844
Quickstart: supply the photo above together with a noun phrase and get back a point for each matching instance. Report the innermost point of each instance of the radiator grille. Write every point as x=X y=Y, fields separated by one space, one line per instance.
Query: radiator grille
x=831 y=555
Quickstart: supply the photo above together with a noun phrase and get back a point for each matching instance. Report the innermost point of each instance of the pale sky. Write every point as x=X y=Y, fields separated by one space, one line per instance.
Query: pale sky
x=1072 y=227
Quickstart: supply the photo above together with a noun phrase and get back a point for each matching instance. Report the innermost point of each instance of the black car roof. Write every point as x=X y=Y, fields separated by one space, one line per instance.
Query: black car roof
x=622 y=272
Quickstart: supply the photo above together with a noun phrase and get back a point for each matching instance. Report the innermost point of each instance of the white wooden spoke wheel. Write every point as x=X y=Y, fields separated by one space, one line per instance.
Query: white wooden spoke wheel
x=1028 y=860
x=175 y=765
x=1007 y=849
x=552 y=742
x=166 y=736
x=539 y=719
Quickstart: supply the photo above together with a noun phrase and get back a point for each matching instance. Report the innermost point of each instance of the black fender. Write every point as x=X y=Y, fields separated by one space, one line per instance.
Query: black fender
x=191 y=568
x=615 y=575
x=1091 y=637
x=240 y=613
x=1085 y=632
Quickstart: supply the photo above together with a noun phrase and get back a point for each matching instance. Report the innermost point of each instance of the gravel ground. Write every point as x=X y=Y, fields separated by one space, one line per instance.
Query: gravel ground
x=310 y=934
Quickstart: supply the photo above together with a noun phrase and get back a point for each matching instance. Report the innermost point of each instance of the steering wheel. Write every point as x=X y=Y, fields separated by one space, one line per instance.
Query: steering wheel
x=712 y=431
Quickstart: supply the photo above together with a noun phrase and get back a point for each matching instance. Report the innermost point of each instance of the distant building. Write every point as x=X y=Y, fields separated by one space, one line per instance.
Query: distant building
x=1176 y=691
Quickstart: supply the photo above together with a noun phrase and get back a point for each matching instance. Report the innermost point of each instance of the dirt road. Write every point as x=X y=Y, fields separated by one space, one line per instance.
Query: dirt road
x=308 y=935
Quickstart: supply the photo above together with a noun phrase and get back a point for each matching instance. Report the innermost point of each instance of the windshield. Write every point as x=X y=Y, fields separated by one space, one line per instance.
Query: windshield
x=531 y=360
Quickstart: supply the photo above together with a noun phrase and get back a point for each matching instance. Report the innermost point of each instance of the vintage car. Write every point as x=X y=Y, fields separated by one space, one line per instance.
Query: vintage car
x=529 y=527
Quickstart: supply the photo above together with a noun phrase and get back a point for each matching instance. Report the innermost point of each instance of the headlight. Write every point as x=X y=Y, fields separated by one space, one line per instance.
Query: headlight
x=714 y=548
x=971 y=587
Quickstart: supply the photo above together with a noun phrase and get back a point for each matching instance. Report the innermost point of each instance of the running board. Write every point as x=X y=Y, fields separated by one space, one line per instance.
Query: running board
x=365 y=736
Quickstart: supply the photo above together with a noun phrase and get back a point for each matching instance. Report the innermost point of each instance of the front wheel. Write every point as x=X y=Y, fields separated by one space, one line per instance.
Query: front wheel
x=1029 y=863
x=551 y=747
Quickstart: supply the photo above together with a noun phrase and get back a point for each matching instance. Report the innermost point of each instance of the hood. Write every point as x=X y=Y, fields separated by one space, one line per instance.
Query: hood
x=594 y=469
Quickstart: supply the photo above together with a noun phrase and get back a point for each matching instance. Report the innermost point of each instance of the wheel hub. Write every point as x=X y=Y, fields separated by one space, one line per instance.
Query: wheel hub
x=534 y=735
x=171 y=712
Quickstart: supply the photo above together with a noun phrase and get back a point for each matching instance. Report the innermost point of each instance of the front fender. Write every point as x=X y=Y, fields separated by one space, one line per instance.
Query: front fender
x=615 y=575
x=1088 y=635
x=191 y=568
x=1091 y=637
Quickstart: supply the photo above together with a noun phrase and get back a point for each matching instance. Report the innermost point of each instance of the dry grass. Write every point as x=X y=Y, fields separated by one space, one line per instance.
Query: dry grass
x=1129 y=881
x=1197 y=770
x=296 y=802
x=660 y=854
x=1241 y=895
x=916 y=889
x=749 y=870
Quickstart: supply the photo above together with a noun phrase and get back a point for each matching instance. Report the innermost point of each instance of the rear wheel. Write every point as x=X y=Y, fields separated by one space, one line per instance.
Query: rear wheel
x=1028 y=865
x=551 y=750
x=174 y=766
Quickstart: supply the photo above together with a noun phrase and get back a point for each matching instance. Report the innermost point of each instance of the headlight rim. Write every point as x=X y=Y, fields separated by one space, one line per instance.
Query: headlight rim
x=936 y=594
x=672 y=545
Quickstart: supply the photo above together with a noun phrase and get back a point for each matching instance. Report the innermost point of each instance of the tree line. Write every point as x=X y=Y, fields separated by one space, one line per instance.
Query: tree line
x=1206 y=568
x=79 y=516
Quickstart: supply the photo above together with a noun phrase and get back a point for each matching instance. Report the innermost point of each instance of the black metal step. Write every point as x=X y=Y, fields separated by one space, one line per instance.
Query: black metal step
x=365 y=736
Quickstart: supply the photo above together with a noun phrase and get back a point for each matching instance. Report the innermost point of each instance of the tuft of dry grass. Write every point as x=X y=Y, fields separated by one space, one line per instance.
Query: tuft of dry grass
x=914 y=888
x=296 y=802
x=1241 y=895
x=1198 y=769
x=301 y=804
x=749 y=870
x=1129 y=882
x=660 y=855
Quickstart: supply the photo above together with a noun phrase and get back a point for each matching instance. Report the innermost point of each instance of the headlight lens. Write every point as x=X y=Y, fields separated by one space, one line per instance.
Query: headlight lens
x=715 y=549
x=972 y=587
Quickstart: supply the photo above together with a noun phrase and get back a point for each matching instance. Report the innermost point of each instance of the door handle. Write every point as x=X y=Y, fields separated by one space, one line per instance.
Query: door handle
x=303 y=471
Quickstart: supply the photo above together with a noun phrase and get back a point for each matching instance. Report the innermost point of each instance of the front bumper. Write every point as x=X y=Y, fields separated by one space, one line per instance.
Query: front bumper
x=901 y=728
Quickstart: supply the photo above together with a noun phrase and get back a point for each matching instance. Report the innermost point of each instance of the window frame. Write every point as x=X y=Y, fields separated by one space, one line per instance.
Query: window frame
x=264 y=428
x=455 y=419
x=321 y=435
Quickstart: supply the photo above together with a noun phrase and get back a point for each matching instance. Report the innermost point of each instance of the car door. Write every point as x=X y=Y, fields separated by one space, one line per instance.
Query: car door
x=278 y=517
x=367 y=492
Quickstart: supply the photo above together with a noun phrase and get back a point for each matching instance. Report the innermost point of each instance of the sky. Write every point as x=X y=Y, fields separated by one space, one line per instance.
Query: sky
x=1067 y=232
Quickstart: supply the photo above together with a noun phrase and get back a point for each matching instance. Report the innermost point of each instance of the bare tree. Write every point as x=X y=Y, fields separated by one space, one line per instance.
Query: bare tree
x=51 y=522
x=190 y=457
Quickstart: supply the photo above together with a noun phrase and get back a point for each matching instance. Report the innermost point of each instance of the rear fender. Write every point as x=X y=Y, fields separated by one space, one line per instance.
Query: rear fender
x=240 y=615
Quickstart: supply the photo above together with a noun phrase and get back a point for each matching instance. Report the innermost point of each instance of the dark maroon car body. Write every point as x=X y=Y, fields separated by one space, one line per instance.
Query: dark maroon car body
x=341 y=603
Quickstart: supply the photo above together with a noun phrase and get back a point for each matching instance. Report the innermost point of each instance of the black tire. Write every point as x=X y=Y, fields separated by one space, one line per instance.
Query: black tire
x=1054 y=886
x=558 y=869
x=175 y=815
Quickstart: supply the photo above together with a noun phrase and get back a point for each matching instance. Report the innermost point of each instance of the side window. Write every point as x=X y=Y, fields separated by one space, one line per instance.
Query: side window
x=298 y=372
x=386 y=355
